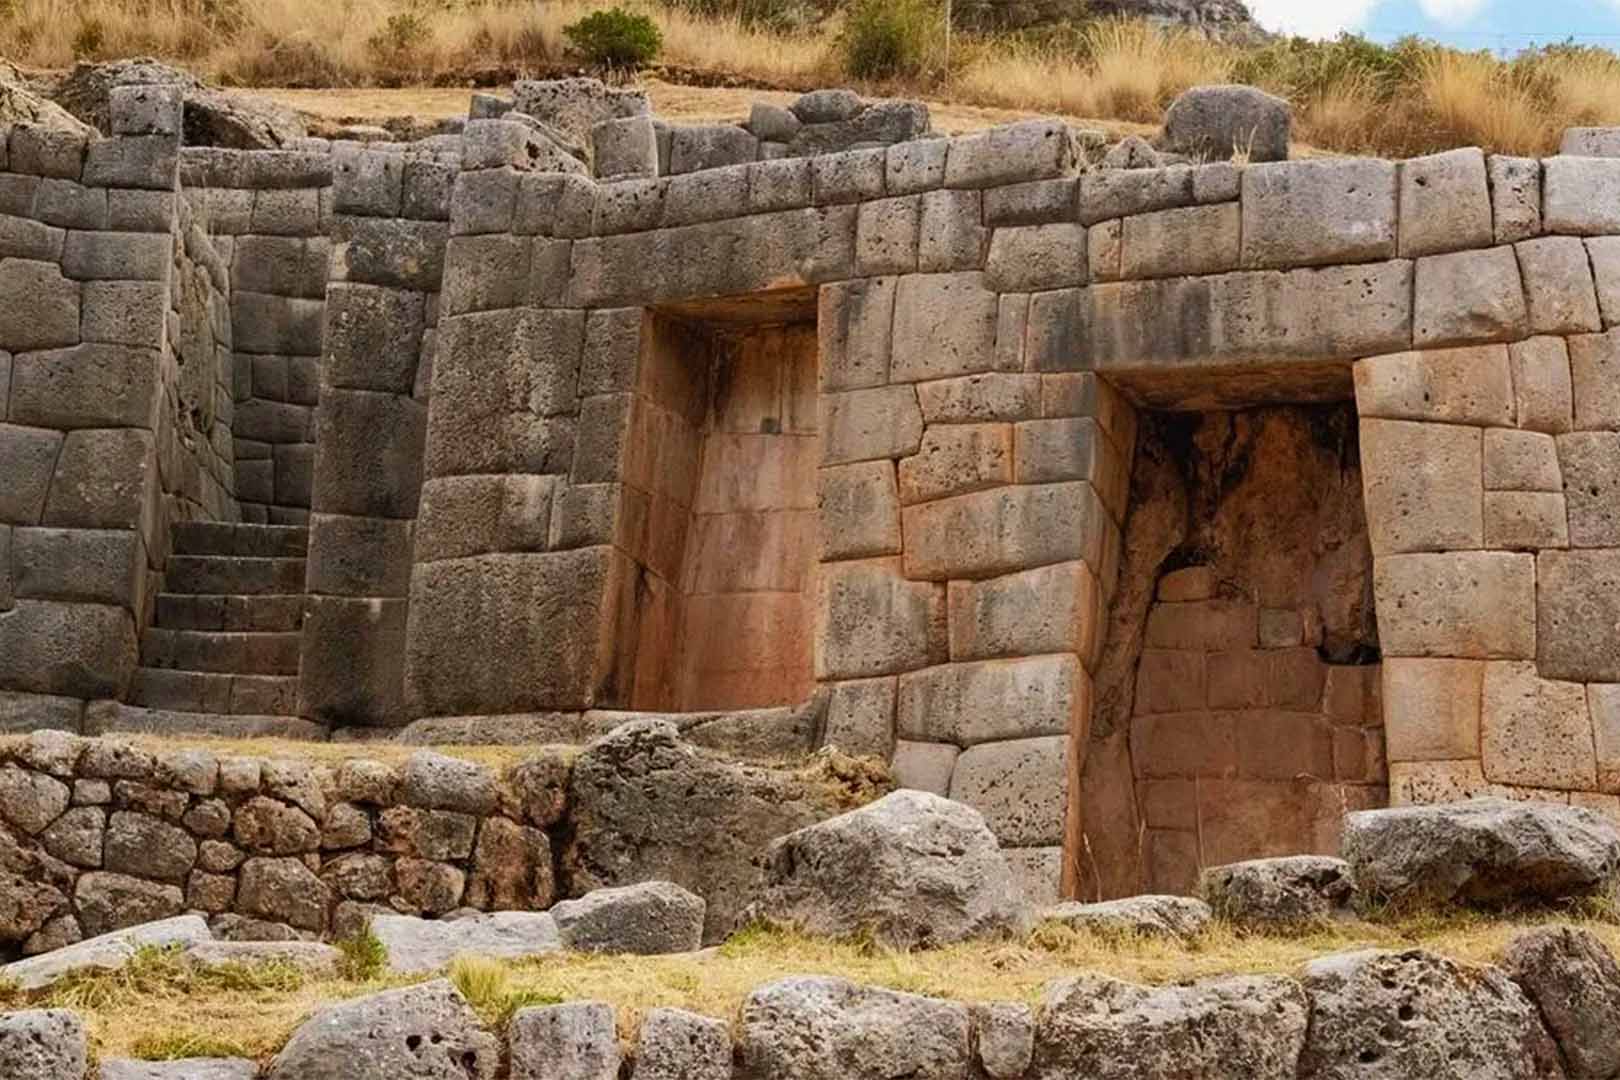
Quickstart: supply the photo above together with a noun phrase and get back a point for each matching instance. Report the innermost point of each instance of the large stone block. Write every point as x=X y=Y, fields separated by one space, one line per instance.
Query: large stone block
x=994 y=700
x=1525 y=520
x=1594 y=368
x=1578 y=615
x=1542 y=389
x=27 y=459
x=1187 y=240
x=1220 y=122
x=1012 y=153
x=1004 y=530
x=1535 y=732
x=1581 y=196
x=1521 y=461
x=280 y=266
x=371 y=452
x=477 y=515
x=1468 y=296
x=924 y=766
x=1515 y=197
x=1118 y=193
x=87 y=386
x=1471 y=385
x=1445 y=203
x=1424 y=486
x=1590 y=463
x=859 y=511
x=955 y=459
x=950 y=233
x=860 y=717
x=373 y=337
x=855 y=321
x=351 y=660
x=388 y=251
x=974 y=399
x=944 y=325
x=1053 y=609
x=886 y=236
x=94 y=566
x=265 y=323
x=1316 y=213
x=1467 y=604
x=42 y=310
x=1072 y=448
x=1019 y=786
x=103 y=480
x=1431 y=708
x=1028 y=258
x=75 y=650
x=124 y=312
x=863 y=425
x=871 y=621
x=1558 y=286
x=117 y=256
x=359 y=556
x=508 y=633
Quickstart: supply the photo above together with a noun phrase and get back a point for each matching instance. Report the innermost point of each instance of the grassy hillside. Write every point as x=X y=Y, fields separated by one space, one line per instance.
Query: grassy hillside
x=1349 y=95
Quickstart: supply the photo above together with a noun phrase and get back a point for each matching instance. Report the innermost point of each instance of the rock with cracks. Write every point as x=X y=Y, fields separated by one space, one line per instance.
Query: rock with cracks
x=425 y=1032
x=213 y=117
x=1488 y=852
x=646 y=919
x=1279 y=893
x=1574 y=981
x=912 y=869
x=1389 y=1016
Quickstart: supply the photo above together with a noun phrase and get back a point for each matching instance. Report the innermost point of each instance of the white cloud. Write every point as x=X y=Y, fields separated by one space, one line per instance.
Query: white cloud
x=1321 y=18
x=1451 y=12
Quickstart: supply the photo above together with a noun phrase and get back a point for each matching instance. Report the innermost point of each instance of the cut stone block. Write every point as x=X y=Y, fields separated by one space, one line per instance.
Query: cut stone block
x=1590 y=461
x=1515 y=197
x=1187 y=240
x=1594 y=368
x=872 y=621
x=1032 y=257
x=860 y=511
x=1558 y=285
x=1423 y=485
x=1581 y=196
x=1053 y=609
x=1431 y=708
x=1445 y=203
x=955 y=459
x=1535 y=732
x=860 y=717
x=1521 y=461
x=944 y=325
x=1468 y=296
x=1578 y=615
x=1004 y=530
x=855 y=330
x=863 y=425
x=925 y=766
x=993 y=700
x=1019 y=786
x=1542 y=388
x=1471 y=385
x=1469 y=604
x=1525 y=520
x=1316 y=213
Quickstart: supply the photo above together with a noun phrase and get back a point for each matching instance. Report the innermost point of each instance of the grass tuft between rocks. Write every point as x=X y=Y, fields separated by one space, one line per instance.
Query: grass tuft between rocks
x=159 y=1007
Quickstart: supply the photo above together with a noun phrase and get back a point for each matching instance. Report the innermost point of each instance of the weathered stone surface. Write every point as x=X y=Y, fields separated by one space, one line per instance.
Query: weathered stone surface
x=944 y=325
x=1052 y=609
x=1515 y=197
x=860 y=511
x=1185 y=240
x=678 y=1045
x=992 y=700
x=183 y=1069
x=1018 y=785
x=573 y=1041
x=1578 y=195
x=1558 y=286
x=283 y=890
x=989 y=533
x=1484 y=851
x=31 y=800
x=1176 y=917
x=1219 y=122
x=1578 y=615
x=25 y=906
x=271 y=827
x=1573 y=980
x=1474 y=605
x=424 y=1032
x=1445 y=204
x=311 y=957
x=649 y=807
x=105 y=902
x=42 y=1044
x=1004 y=1034
x=815 y=1028
x=1272 y=893
x=143 y=846
x=1378 y=1013
x=1432 y=708
x=925 y=766
x=1236 y=1027
x=1316 y=213
x=1468 y=296
x=1424 y=483
x=106 y=952
x=912 y=869
x=416 y=946
x=1471 y=385
x=646 y=919
x=870 y=620
x=1534 y=731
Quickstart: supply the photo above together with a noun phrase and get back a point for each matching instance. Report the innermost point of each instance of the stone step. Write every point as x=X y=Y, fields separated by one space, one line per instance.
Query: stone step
x=191 y=611
x=215 y=692
x=233 y=575
x=224 y=651
x=113 y=717
x=224 y=538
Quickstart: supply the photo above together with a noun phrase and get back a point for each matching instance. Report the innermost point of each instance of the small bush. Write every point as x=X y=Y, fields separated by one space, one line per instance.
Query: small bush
x=401 y=42
x=616 y=38
x=364 y=956
x=89 y=38
x=887 y=39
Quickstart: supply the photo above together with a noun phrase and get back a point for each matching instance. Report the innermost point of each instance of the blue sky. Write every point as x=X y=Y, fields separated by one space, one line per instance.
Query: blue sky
x=1494 y=24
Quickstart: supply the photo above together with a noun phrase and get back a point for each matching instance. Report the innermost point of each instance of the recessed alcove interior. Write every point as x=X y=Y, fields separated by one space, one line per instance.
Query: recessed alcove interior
x=719 y=510
x=1237 y=710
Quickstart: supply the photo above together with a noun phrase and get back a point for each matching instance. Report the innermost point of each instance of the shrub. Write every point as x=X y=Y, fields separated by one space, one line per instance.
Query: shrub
x=885 y=39
x=616 y=38
x=399 y=44
x=364 y=956
x=89 y=38
x=781 y=16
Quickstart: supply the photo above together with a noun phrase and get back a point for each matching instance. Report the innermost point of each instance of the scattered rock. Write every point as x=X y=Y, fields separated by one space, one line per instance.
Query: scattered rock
x=437 y=782
x=576 y=1040
x=1575 y=983
x=43 y=1044
x=220 y=118
x=1004 y=1032
x=416 y=945
x=1220 y=122
x=1248 y=1027
x=817 y=1028
x=311 y=957
x=649 y=807
x=21 y=105
x=108 y=902
x=827 y=106
x=912 y=869
x=185 y=1069
x=1284 y=892
x=25 y=906
x=107 y=952
x=1485 y=851
x=1131 y=152
x=424 y=1032
x=678 y=1045
x=1411 y=1014
x=648 y=919
x=1179 y=917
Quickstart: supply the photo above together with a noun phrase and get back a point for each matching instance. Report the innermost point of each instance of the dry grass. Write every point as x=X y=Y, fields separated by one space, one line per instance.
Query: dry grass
x=322 y=753
x=160 y=1008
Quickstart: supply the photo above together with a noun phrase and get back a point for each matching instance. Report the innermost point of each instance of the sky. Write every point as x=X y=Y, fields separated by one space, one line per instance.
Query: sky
x=1492 y=24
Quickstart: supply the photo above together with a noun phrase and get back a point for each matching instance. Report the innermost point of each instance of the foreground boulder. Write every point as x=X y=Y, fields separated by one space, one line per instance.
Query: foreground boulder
x=650 y=807
x=1179 y=917
x=1219 y=122
x=1488 y=852
x=185 y=1069
x=107 y=952
x=1575 y=983
x=912 y=869
x=812 y=1028
x=647 y=919
x=212 y=117
x=1414 y=1014
x=417 y=946
x=424 y=1032
x=1279 y=893
x=42 y=1044
x=1248 y=1027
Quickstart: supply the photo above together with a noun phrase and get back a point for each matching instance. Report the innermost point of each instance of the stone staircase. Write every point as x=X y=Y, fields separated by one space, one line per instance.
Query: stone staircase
x=225 y=634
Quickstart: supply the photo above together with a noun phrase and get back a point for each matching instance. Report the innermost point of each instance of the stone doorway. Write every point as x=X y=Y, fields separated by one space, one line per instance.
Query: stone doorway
x=720 y=508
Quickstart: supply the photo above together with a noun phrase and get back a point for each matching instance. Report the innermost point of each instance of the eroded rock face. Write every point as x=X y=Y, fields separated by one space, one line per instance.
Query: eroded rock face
x=212 y=117
x=831 y=1029
x=43 y=1044
x=425 y=1032
x=1575 y=983
x=650 y=807
x=647 y=919
x=20 y=104
x=1279 y=893
x=912 y=869
x=1484 y=851
x=1390 y=1016
x=1242 y=1027
x=1147 y=916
